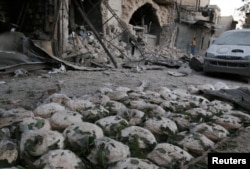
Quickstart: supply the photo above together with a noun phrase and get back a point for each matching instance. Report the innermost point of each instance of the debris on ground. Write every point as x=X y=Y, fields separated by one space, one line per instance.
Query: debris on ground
x=62 y=69
x=20 y=72
x=83 y=54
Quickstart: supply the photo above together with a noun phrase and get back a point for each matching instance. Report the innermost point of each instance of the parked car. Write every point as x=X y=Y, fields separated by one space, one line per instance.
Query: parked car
x=229 y=53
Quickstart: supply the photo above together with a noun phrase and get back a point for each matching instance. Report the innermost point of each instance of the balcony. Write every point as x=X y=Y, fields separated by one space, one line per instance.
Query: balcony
x=191 y=15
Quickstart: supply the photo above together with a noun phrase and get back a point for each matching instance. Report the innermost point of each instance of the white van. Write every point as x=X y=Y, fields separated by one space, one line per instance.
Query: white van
x=229 y=53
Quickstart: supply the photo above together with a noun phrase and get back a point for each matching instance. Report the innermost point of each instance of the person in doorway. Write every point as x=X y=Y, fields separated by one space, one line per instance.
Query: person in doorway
x=139 y=41
x=133 y=45
x=193 y=46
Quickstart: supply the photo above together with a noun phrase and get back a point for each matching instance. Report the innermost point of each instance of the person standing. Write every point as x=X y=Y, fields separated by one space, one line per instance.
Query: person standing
x=193 y=46
x=139 y=41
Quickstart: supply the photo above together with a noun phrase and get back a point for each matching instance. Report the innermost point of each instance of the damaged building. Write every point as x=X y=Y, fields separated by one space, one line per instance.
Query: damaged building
x=78 y=30
x=199 y=20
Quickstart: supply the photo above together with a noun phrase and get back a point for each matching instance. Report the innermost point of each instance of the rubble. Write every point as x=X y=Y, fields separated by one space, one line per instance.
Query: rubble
x=85 y=53
x=82 y=53
x=21 y=55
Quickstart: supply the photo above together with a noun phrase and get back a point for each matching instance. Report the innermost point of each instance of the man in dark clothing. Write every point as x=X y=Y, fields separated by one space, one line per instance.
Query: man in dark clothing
x=139 y=41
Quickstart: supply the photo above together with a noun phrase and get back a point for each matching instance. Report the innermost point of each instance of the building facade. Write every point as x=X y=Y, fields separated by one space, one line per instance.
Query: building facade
x=163 y=22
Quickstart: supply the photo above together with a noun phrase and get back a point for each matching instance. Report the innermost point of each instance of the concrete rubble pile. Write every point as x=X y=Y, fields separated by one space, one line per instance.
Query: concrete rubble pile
x=165 y=52
x=20 y=54
x=84 y=49
x=117 y=128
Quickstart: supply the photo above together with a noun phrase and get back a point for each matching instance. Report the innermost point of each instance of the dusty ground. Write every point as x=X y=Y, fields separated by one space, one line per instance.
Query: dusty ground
x=33 y=89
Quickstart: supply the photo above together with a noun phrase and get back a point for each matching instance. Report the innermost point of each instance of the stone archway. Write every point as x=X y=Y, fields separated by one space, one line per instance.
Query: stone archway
x=130 y=6
x=146 y=17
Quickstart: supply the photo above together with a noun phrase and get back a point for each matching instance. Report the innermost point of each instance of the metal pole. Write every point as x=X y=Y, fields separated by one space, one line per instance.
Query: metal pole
x=84 y=16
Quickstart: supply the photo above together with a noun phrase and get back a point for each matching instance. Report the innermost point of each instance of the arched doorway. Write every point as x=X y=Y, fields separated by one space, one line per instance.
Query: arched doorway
x=146 y=17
